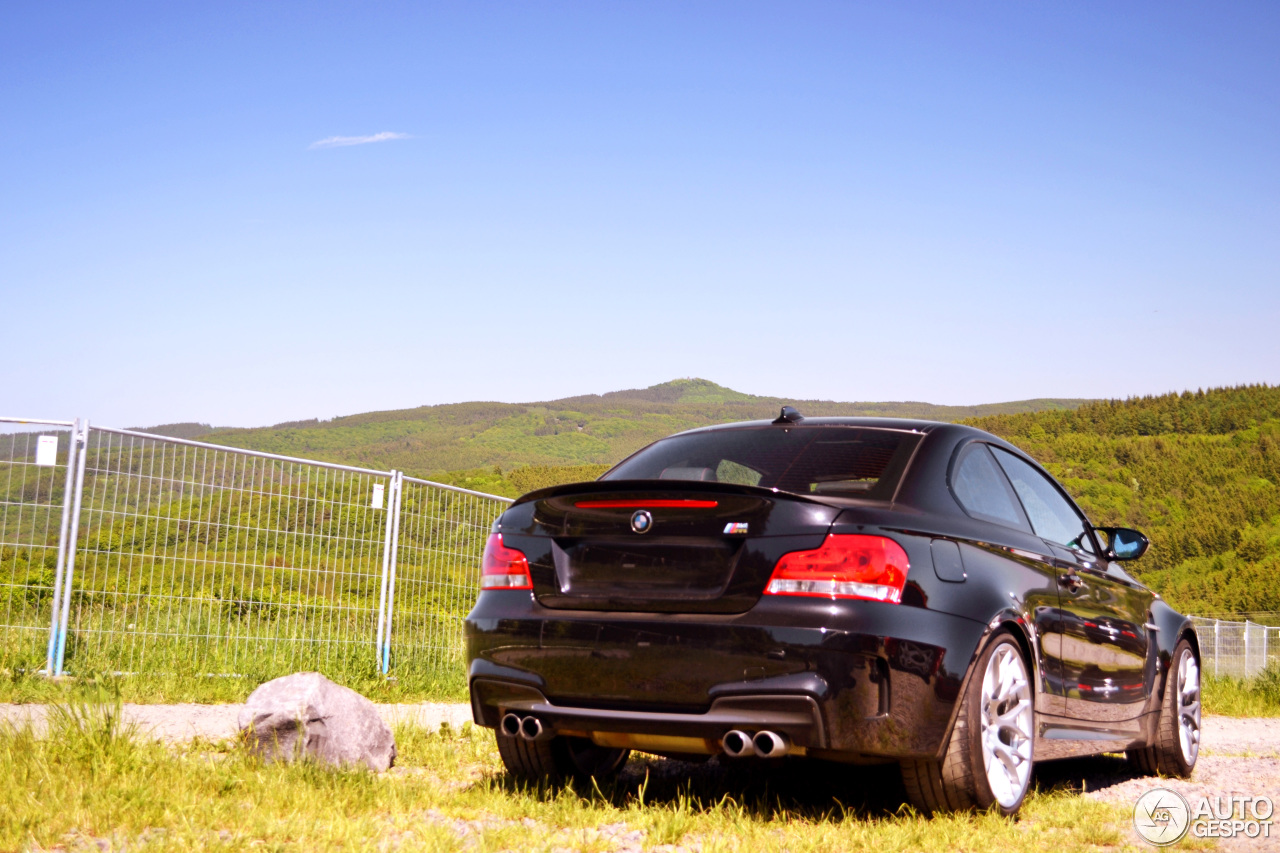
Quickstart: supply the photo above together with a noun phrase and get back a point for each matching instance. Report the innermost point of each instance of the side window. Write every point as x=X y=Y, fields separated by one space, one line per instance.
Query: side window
x=982 y=490
x=1052 y=516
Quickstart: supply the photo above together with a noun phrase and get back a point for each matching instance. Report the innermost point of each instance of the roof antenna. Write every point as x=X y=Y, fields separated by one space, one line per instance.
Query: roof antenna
x=789 y=416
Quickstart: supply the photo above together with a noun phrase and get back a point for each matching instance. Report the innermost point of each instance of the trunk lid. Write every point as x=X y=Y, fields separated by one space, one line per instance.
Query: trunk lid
x=664 y=546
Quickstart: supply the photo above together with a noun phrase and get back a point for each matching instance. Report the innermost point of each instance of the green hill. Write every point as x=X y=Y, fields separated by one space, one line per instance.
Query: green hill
x=543 y=443
x=1197 y=472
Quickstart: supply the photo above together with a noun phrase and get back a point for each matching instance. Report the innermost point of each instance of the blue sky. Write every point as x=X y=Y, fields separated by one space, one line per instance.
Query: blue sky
x=949 y=202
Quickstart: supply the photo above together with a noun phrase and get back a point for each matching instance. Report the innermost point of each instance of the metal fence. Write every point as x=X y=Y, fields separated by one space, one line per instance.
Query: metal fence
x=1238 y=649
x=35 y=474
x=130 y=552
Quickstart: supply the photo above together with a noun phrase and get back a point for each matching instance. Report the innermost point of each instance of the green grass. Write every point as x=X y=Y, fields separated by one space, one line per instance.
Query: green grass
x=160 y=689
x=1239 y=697
x=92 y=783
x=175 y=679
x=169 y=688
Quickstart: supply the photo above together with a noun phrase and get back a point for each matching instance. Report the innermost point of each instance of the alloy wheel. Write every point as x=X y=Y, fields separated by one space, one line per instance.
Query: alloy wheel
x=1007 y=727
x=1189 y=707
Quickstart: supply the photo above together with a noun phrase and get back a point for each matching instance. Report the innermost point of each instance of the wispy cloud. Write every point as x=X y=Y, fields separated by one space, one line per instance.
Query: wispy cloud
x=344 y=141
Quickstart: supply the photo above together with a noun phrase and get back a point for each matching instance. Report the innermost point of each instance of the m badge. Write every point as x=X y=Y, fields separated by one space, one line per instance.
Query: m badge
x=735 y=527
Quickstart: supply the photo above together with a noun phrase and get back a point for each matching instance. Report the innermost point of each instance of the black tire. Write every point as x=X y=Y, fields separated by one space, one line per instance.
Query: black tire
x=559 y=760
x=1167 y=756
x=959 y=781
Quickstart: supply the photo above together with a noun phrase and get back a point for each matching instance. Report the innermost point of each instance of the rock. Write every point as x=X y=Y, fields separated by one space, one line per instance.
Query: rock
x=306 y=714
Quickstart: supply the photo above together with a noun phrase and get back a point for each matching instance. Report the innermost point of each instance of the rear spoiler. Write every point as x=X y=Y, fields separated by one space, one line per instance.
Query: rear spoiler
x=631 y=486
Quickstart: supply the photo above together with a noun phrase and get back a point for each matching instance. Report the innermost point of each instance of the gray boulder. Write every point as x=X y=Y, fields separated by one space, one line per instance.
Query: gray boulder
x=306 y=714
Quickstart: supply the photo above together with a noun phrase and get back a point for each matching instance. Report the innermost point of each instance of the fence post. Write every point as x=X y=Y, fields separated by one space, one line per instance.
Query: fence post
x=68 y=490
x=397 y=485
x=387 y=545
x=1246 y=649
x=1217 y=623
x=74 y=535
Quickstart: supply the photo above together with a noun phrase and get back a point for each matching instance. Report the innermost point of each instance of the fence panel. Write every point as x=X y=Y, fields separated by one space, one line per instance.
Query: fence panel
x=435 y=575
x=195 y=558
x=34 y=457
x=1237 y=649
x=122 y=551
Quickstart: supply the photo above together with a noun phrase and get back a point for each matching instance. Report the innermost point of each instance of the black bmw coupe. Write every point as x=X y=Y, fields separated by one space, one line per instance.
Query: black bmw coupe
x=860 y=590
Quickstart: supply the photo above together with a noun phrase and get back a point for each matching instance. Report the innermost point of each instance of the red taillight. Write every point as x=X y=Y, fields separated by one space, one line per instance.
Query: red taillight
x=846 y=566
x=503 y=567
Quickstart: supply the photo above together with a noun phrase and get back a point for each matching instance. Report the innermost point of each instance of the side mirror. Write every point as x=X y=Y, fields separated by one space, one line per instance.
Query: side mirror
x=1124 y=543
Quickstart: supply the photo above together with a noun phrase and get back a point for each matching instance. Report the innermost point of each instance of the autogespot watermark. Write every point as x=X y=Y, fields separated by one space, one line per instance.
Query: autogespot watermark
x=1163 y=817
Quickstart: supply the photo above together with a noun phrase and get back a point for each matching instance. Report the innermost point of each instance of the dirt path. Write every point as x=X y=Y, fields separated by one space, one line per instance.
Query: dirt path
x=1254 y=737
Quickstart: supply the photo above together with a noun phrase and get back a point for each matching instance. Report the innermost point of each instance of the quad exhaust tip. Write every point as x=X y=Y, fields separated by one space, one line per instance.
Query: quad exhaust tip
x=735 y=743
x=529 y=728
x=771 y=744
x=739 y=744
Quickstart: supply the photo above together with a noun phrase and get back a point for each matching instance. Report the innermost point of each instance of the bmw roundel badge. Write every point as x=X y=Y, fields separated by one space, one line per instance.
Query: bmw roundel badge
x=641 y=521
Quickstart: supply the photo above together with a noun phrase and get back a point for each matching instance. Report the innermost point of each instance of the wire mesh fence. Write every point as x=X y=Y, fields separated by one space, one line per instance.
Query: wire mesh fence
x=1236 y=649
x=223 y=561
x=34 y=514
x=185 y=557
x=434 y=575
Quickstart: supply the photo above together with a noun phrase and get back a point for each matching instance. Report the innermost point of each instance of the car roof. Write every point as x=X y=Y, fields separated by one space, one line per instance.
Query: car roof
x=904 y=424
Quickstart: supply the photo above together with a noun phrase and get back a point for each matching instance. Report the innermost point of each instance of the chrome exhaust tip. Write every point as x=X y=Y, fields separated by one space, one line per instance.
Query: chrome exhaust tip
x=771 y=745
x=737 y=744
x=531 y=728
x=510 y=725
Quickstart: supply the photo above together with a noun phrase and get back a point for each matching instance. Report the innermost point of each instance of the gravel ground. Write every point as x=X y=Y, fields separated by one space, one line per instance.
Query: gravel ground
x=173 y=723
x=1240 y=756
x=1215 y=776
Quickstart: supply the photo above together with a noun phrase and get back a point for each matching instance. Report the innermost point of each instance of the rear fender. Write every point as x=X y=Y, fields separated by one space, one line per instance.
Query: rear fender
x=1016 y=625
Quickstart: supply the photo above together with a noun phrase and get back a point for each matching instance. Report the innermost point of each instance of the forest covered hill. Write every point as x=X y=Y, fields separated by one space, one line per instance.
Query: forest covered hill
x=464 y=443
x=1199 y=473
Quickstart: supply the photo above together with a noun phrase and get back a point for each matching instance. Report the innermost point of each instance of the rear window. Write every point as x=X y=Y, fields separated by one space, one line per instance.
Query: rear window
x=849 y=462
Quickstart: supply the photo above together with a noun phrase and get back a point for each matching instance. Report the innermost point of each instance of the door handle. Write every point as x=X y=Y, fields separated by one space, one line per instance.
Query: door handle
x=1072 y=581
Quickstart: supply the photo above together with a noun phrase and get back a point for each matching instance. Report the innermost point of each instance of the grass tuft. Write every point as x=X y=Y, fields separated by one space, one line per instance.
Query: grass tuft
x=1238 y=697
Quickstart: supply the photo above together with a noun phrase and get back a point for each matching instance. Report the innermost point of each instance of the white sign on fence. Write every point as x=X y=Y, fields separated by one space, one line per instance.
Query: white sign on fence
x=47 y=450
x=376 y=503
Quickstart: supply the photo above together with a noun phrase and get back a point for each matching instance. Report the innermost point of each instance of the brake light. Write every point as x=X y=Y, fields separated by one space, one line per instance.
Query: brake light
x=503 y=567
x=680 y=503
x=846 y=566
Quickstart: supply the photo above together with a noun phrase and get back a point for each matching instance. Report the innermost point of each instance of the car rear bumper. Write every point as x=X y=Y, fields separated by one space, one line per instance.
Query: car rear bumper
x=849 y=679
x=795 y=717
